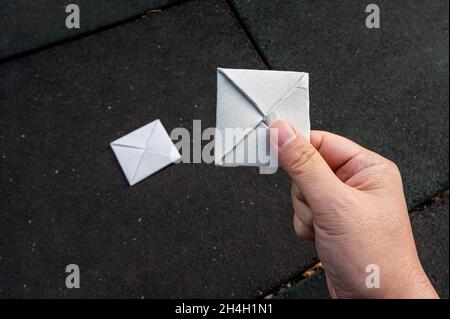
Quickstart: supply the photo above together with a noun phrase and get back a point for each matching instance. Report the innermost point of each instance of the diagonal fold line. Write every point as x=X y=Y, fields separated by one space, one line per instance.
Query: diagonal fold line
x=128 y=146
x=272 y=108
x=142 y=156
x=242 y=140
x=243 y=93
x=288 y=92
x=150 y=135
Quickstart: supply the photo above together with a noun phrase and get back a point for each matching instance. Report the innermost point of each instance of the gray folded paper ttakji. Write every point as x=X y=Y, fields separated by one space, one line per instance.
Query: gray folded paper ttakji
x=247 y=102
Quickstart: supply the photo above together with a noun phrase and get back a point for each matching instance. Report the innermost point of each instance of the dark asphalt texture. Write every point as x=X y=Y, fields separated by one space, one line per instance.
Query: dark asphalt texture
x=196 y=230
x=191 y=230
x=31 y=25
x=386 y=88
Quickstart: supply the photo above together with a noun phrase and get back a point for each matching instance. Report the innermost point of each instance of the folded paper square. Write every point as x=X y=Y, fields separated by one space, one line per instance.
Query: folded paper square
x=144 y=151
x=247 y=102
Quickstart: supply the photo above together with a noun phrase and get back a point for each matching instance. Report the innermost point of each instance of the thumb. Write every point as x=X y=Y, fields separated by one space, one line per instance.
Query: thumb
x=303 y=162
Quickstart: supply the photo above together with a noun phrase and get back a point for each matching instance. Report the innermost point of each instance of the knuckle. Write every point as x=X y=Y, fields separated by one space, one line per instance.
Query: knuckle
x=301 y=157
x=345 y=201
x=293 y=191
x=390 y=169
x=298 y=229
x=392 y=176
x=302 y=231
x=393 y=167
x=387 y=164
x=305 y=236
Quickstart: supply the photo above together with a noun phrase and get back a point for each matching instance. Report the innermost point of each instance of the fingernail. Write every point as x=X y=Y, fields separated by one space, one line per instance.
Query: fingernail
x=282 y=133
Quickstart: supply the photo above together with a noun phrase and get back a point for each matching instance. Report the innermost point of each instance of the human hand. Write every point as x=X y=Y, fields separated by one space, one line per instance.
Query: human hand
x=350 y=202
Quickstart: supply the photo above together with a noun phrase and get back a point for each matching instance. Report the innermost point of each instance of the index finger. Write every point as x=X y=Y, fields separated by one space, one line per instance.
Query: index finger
x=335 y=149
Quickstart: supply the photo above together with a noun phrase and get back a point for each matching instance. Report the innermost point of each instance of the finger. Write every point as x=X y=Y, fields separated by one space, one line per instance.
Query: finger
x=358 y=163
x=296 y=192
x=331 y=288
x=335 y=150
x=303 y=163
x=345 y=158
x=302 y=211
x=303 y=231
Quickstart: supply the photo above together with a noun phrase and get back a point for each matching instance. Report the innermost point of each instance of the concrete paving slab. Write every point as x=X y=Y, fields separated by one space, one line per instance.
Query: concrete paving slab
x=431 y=233
x=191 y=230
x=29 y=25
x=385 y=88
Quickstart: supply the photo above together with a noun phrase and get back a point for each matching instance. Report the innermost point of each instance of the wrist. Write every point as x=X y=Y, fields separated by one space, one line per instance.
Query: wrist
x=413 y=283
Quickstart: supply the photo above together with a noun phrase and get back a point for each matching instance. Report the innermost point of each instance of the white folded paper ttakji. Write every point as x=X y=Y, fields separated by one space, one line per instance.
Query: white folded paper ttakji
x=145 y=151
x=249 y=100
